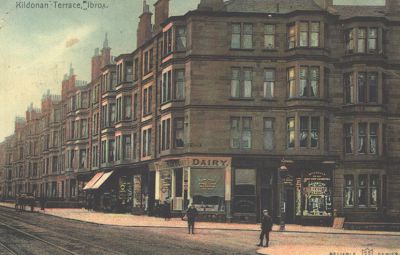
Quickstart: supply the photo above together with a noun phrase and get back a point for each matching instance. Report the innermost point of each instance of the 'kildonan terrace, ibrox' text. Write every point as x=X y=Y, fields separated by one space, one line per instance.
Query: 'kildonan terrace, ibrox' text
x=84 y=5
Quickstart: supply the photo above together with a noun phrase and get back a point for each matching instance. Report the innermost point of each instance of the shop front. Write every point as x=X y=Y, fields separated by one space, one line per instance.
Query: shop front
x=204 y=182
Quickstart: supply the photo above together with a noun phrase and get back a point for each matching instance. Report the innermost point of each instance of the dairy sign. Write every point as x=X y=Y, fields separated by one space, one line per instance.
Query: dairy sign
x=192 y=162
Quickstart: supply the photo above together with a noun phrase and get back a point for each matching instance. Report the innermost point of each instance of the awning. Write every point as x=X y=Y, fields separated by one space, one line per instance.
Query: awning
x=102 y=180
x=95 y=178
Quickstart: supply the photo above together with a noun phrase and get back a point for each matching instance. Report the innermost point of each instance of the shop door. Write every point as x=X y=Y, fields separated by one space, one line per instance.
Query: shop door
x=289 y=199
x=266 y=200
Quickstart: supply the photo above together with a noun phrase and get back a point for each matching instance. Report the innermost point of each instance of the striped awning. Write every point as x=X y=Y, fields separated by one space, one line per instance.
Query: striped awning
x=95 y=178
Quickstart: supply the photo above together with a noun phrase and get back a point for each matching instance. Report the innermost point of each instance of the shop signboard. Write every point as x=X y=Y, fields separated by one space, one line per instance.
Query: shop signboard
x=317 y=195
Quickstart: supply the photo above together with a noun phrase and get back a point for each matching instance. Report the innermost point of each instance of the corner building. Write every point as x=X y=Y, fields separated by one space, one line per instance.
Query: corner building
x=238 y=87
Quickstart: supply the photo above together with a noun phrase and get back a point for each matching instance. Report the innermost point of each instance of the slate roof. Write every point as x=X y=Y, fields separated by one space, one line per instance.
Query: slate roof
x=349 y=11
x=270 y=6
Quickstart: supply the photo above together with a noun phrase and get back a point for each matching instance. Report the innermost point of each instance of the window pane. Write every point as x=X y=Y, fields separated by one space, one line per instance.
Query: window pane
x=248 y=36
x=303 y=81
x=269 y=36
x=361 y=40
x=361 y=87
x=304 y=129
x=246 y=133
x=235 y=43
x=235 y=83
x=349 y=88
x=235 y=133
x=181 y=38
x=314 y=131
x=268 y=134
x=372 y=39
x=292 y=36
x=248 y=83
x=374 y=187
x=373 y=143
x=373 y=87
x=348 y=132
x=290 y=130
x=291 y=81
x=349 y=190
x=362 y=132
x=314 y=76
x=362 y=189
x=304 y=34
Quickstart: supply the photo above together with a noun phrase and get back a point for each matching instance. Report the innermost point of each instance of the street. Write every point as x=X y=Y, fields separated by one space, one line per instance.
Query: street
x=36 y=233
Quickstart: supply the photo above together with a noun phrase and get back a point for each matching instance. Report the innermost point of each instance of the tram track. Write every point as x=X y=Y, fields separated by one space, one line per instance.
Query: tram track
x=7 y=248
x=73 y=242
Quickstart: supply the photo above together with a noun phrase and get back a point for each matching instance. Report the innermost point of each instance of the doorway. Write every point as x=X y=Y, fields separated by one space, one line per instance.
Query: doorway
x=289 y=210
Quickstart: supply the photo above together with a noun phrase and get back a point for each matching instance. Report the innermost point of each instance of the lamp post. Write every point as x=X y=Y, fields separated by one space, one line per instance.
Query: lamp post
x=282 y=208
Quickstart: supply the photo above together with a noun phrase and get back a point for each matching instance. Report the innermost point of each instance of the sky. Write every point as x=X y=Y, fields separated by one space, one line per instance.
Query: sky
x=38 y=45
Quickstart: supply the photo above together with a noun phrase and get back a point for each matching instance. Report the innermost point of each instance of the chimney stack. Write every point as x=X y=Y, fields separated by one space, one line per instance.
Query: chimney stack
x=144 y=31
x=393 y=7
x=161 y=8
x=324 y=4
x=96 y=64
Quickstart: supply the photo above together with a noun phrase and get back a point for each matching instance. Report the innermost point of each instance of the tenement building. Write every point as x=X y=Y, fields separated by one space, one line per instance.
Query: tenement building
x=232 y=107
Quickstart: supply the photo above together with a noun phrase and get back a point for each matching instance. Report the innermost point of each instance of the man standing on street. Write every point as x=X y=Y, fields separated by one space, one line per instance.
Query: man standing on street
x=266 y=227
x=191 y=217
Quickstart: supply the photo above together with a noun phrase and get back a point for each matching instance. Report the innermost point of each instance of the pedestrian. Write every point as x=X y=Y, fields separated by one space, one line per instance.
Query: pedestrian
x=42 y=203
x=191 y=214
x=266 y=227
x=167 y=210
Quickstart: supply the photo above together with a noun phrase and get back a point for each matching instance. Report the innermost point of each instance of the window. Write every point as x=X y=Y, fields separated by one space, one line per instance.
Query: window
x=290 y=132
x=180 y=38
x=349 y=88
x=128 y=71
x=361 y=87
x=245 y=190
x=373 y=190
x=372 y=39
x=238 y=89
x=314 y=132
x=291 y=36
x=165 y=134
x=362 y=137
x=119 y=109
x=268 y=133
x=348 y=138
x=362 y=190
x=112 y=113
x=166 y=87
x=314 y=34
x=179 y=84
x=111 y=148
x=304 y=130
x=242 y=40
x=146 y=63
x=269 y=83
x=350 y=41
x=241 y=132
x=348 y=190
x=309 y=81
x=82 y=158
x=146 y=150
x=127 y=113
x=84 y=129
x=136 y=75
x=269 y=36
x=134 y=145
x=309 y=137
x=372 y=87
x=303 y=34
x=127 y=147
x=147 y=100
x=135 y=106
x=179 y=133
x=117 y=148
x=373 y=138
x=361 y=40
x=291 y=82
x=103 y=151
x=95 y=159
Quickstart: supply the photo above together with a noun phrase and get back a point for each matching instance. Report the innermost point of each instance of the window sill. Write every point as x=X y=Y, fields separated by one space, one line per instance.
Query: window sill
x=305 y=99
x=242 y=49
x=351 y=54
x=305 y=48
x=241 y=98
x=270 y=50
x=269 y=100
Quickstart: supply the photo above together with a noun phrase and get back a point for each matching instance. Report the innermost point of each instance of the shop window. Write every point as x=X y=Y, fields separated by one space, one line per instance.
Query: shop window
x=317 y=194
x=362 y=190
x=268 y=133
x=290 y=132
x=245 y=190
x=269 y=36
x=349 y=190
x=180 y=38
x=269 y=83
x=348 y=138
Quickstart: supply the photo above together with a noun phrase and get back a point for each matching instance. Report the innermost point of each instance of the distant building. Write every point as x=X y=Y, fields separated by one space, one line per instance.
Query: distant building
x=212 y=103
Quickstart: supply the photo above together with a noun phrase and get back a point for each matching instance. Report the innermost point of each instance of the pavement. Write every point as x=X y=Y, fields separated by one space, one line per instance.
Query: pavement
x=129 y=220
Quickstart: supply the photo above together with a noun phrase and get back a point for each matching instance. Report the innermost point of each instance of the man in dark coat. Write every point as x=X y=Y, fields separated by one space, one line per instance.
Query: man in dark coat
x=191 y=214
x=266 y=227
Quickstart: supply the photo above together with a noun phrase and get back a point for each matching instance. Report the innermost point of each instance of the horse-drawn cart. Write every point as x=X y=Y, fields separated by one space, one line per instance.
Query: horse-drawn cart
x=23 y=200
